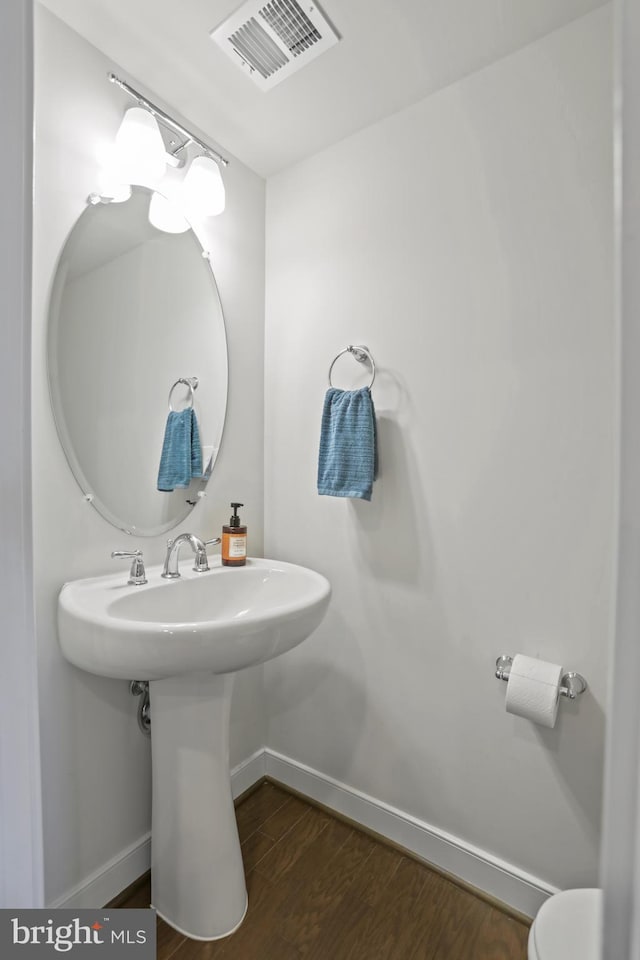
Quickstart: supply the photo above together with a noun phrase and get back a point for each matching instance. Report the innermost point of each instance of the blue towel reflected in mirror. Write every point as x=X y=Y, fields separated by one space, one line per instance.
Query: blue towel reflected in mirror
x=181 y=458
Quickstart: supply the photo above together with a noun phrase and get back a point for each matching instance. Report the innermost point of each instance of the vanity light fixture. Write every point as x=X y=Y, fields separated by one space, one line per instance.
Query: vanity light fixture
x=166 y=216
x=140 y=157
x=166 y=120
x=203 y=188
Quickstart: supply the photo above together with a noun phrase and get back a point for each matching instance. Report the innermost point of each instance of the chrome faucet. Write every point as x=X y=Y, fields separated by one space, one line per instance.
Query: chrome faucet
x=199 y=547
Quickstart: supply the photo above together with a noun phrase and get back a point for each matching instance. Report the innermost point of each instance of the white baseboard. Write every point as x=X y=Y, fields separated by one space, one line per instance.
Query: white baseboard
x=108 y=881
x=250 y=771
x=115 y=876
x=488 y=874
x=494 y=877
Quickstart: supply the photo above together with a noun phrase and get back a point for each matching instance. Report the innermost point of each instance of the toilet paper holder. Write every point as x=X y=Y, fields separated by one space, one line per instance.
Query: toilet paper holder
x=573 y=684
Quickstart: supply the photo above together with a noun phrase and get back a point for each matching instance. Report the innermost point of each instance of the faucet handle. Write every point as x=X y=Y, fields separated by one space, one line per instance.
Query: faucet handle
x=137 y=575
x=201 y=563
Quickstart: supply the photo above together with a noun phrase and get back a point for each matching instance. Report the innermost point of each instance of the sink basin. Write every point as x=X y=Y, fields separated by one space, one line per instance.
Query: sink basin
x=219 y=622
x=188 y=637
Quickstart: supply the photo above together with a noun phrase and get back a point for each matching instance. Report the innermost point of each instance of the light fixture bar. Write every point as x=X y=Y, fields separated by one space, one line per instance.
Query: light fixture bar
x=165 y=118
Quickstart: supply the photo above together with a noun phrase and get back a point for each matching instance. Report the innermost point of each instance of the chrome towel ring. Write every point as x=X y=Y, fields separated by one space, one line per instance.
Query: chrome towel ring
x=361 y=354
x=191 y=382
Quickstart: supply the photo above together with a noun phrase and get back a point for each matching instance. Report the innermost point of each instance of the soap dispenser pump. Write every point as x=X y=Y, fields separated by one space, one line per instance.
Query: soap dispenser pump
x=234 y=540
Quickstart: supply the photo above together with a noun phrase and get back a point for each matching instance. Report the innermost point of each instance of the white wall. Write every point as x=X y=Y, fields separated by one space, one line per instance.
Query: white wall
x=95 y=769
x=467 y=241
x=620 y=870
x=20 y=820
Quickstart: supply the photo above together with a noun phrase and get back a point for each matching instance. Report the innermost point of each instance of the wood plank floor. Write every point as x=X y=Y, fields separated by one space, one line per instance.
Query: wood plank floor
x=320 y=889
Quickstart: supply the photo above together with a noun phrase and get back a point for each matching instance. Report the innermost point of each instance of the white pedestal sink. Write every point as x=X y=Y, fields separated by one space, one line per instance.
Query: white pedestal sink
x=188 y=637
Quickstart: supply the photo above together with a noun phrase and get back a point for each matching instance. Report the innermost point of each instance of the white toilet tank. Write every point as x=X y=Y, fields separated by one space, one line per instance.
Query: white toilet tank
x=568 y=927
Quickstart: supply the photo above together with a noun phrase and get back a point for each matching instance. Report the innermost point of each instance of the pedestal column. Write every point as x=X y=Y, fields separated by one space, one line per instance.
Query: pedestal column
x=197 y=874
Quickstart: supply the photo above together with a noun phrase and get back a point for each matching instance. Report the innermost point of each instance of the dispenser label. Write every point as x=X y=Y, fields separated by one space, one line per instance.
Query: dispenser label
x=237 y=546
x=50 y=933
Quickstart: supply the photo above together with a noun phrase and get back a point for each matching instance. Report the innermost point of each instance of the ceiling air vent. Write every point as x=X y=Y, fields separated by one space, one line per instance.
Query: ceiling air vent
x=273 y=40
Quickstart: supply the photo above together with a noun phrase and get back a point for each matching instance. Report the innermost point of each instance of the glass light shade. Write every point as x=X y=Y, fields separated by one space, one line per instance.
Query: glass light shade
x=203 y=187
x=140 y=153
x=166 y=216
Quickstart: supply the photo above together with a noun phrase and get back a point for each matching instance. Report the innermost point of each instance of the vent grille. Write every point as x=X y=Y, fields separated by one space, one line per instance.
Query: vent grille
x=256 y=47
x=272 y=40
x=292 y=25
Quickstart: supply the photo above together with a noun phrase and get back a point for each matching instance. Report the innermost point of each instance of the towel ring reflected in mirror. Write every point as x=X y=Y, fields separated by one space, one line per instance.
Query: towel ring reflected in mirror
x=361 y=354
x=192 y=383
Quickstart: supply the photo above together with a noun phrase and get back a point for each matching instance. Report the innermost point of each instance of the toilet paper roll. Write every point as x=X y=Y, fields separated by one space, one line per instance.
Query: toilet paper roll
x=533 y=690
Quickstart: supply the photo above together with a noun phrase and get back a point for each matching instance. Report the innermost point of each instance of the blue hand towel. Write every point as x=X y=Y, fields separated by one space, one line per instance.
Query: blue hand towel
x=181 y=458
x=348 y=460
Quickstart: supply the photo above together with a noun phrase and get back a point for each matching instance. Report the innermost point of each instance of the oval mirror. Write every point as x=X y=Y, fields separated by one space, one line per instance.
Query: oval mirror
x=134 y=311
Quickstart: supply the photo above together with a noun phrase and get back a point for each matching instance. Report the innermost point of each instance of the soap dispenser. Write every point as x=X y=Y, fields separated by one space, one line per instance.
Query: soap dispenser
x=234 y=540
